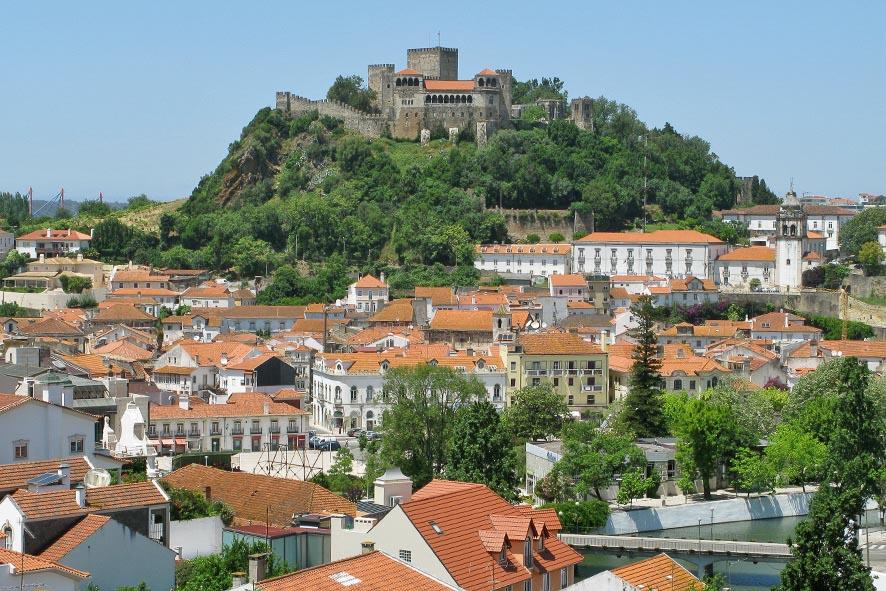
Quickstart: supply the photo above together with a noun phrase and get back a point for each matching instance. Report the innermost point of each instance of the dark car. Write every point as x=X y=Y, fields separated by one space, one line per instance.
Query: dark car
x=355 y=432
x=329 y=446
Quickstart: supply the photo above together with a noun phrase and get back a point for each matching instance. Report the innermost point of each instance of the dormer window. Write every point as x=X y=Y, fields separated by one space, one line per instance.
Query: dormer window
x=527 y=552
x=503 y=557
x=541 y=543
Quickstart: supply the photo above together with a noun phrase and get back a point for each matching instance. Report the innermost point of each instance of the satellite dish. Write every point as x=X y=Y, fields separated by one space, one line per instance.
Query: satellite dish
x=534 y=325
x=97 y=478
x=197 y=337
x=544 y=324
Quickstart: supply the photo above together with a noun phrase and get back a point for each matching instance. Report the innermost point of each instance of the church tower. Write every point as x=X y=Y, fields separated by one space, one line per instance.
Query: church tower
x=790 y=227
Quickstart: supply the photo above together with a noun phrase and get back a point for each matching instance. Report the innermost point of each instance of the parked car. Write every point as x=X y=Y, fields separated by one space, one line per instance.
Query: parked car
x=354 y=432
x=372 y=435
x=315 y=442
x=329 y=446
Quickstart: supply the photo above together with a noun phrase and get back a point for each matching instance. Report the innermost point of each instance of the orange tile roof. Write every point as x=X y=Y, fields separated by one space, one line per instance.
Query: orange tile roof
x=633 y=278
x=212 y=353
x=814 y=235
x=370 y=335
x=654 y=573
x=248 y=312
x=371 y=361
x=55 y=235
x=10 y=401
x=750 y=253
x=519 y=318
x=124 y=350
x=394 y=311
x=440 y=296
x=461 y=511
x=656 y=237
x=92 y=364
x=122 y=313
x=14 y=476
x=812 y=256
x=690 y=366
x=49 y=326
x=244 y=404
x=252 y=363
x=206 y=292
x=781 y=322
x=458 y=85
x=74 y=537
x=619 y=292
x=523 y=249
x=367 y=572
x=46 y=505
x=139 y=275
x=29 y=564
x=557 y=342
x=683 y=284
x=250 y=495
x=409 y=71
x=122 y=496
x=487 y=72
x=723 y=328
x=176 y=370
x=572 y=280
x=463 y=320
x=370 y=281
x=860 y=349
x=143 y=291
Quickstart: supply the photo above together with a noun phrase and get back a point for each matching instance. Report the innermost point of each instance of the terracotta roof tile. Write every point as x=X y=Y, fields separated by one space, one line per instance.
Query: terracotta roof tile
x=860 y=349
x=124 y=350
x=124 y=292
x=750 y=253
x=408 y=71
x=557 y=342
x=394 y=311
x=122 y=496
x=29 y=563
x=244 y=404
x=571 y=280
x=368 y=572
x=370 y=281
x=55 y=235
x=139 y=275
x=10 y=401
x=122 y=313
x=45 y=505
x=561 y=249
x=457 y=85
x=440 y=296
x=656 y=237
x=654 y=572
x=213 y=292
x=463 y=320
x=49 y=326
x=249 y=495
x=74 y=537
x=14 y=476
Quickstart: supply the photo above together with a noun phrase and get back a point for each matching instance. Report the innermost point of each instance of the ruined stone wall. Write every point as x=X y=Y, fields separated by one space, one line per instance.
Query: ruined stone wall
x=369 y=125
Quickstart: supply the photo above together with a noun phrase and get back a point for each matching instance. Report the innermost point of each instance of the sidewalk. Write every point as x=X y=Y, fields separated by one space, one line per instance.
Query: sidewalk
x=716 y=495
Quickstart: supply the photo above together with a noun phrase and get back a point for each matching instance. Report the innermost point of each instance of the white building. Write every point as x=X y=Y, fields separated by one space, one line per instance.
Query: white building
x=761 y=220
x=529 y=260
x=19 y=571
x=51 y=242
x=7 y=242
x=669 y=253
x=211 y=296
x=348 y=386
x=571 y=286
x=881 y=236
x=34 y=430
x=741 y=266
x=368 y=294
x=246 y=422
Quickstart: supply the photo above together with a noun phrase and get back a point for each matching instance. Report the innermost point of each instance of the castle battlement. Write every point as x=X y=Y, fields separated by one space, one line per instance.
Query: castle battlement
x=426 y=49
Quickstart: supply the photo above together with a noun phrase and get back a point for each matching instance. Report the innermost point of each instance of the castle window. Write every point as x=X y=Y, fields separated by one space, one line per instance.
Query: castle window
x=399 y=82
x=481 y=82
x=470 y=99
x=427 y=98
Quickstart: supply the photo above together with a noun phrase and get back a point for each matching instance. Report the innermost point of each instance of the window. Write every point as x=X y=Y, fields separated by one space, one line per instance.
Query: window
x=76 y=445
x=527 y=552
x=513 y=366
x=370 y=392
x=678 y=384
x=238 y=444
x=546 y=582
x=21 y=449
x=564 y=578
x=406 y=555
x=571 y=381
x=527 y=585
x=7 y=536
x=556 y=382
x=353 y=393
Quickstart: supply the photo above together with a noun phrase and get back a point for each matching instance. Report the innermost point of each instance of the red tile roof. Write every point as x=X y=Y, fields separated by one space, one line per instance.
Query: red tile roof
x=370 y=281
x=55 y=236
x=750 y=253
x=523 y=249
x=10 y=401
x=457 y=85
x=408 y=71
x=656 y=237
x=46 y=505
x=74 y=537
x=440 y=296
x=572 y=280
x=394 y=311
x=124 y=350
x=556 y=342
x=122 y=313
x=369 y=572
x=245 y=404
x=14 y=476
x=460 y=511
x=29 y=564
x=122 y=496
x=250 y=495
x=654 y=573
x=463 y=320
x=487 y=72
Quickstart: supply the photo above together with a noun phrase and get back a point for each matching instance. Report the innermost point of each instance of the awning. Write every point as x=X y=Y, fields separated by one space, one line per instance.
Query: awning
x=181 y=441
x=169 y=442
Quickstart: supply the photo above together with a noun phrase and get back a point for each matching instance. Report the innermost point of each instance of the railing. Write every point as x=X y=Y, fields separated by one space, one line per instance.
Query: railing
x=723 y=547
x=215 y=431
x=255 y=430
x=537 y=372
x=194 y=433
x=237 y=431
x=292 y=429
x=274 y=428
x=591 y=372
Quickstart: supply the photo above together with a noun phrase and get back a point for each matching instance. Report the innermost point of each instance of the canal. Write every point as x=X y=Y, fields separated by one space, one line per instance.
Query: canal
x=742 y=575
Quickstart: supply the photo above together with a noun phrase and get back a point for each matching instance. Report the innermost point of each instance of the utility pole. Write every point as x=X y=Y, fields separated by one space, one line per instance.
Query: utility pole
x=645 y=152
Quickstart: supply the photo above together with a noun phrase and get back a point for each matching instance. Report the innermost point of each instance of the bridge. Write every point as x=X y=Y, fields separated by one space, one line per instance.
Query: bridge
x=704 y=553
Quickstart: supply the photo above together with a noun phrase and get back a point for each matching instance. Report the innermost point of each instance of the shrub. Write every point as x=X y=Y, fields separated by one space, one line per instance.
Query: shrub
x=75 y=283
x=582 y=515
x=754 y=284
x=83 y=301
x=533 y=238
x=556 y=237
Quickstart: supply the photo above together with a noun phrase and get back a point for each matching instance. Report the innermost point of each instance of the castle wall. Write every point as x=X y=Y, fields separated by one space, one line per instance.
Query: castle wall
x=369 y=125
x=379 y=81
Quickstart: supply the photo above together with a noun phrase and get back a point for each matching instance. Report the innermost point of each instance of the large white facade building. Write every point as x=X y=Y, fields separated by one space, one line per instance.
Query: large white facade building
x=367 y=294
x=33 y=430
x=348 y=386
x=529 y=260
x=668 y=253
x=761 y=220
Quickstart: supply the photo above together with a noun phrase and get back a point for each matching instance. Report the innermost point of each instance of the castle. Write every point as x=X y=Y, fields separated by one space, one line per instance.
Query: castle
x=428 y=94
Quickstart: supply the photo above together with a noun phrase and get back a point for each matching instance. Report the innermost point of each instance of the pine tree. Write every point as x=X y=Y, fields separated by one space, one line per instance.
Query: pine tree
x=643 y=411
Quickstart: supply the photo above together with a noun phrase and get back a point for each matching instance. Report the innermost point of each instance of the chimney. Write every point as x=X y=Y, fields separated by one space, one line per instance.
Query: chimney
x=367 y=546
x=258 y=564
x=64 y=472
x=79 y=257
x=238 y=579
x=207 y=492
x=184 y=402
x=80 y=494
x=42 y=257
x=91 y=232
x=604 y=341
x=267 y=408
x=813 y=348
x=786 y=323
x=382 y=277
x=49 y=232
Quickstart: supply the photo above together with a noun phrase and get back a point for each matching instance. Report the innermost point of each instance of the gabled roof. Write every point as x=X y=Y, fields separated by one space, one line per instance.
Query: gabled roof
x=49 y=326
x=541 y=248
x=399 y=310
x=45 y=505
x=557 y=342
x=654 y=573
x=463 y=320
x=74 y=537
x=14 y=476
x=29 y=564
x=450 y=516
x=54 y=235
x=122 y=313
x=440 y=296
x=139 y=275
x=367 y=281
x=206 y=292
x=250 y=495
x=125 y=350
x=655 y=237
x=368 y=572
x=10 y=401
x=571 y=280
x=244 y=404
x=750 y=253
x=772 y=210
x=122 y=496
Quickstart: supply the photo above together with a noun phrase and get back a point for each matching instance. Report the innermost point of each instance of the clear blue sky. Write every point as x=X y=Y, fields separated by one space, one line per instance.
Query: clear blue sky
x=125 y=97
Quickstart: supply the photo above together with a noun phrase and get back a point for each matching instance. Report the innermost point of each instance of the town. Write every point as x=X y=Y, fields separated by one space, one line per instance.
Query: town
x=365 y=353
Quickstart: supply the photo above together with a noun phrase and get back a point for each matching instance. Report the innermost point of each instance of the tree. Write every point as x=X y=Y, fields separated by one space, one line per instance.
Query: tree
x=185 y=504
x=634 y=484
x=213 y=572
x=862 y=228
x=706 y=435
x=93 y=208
x=350 y=91
x=536 y=412
x=795 y=455
x=643 y=411
x=825 y=550
x=753 y=472
x=754 y=284
x=74 y=283
x=533 y=238
x=419 y=420
x=252 y=257
x=870 y=256
x=340 y=471
x=480 y=450
x=556 y=237
x=592 y=459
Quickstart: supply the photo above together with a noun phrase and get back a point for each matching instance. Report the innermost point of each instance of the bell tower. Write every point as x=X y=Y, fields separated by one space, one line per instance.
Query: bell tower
x=790 y=230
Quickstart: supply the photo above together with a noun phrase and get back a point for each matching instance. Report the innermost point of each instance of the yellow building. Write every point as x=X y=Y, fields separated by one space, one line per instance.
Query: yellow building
x=576 y=369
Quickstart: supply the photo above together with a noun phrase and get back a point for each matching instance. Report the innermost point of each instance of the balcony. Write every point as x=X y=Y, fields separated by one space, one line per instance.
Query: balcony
x=255 y=430
x=194 y=433
x=152 y=433
x=237 y=431
x=537 y=372
x=292 y=429
x=215 y=431
x=597 y=388
x=591 y=372
x=274 y=428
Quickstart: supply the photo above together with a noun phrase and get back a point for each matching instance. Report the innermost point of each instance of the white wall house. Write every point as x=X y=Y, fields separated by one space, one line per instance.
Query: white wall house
x=761 y=220
x=51 y=242
x=39 y=574
x=368 y=294
x=881 y=236
x=739 y=267
x=7 y=242
x=33 y=430
x=668 y=253
x=529 y=260
x=348 y=386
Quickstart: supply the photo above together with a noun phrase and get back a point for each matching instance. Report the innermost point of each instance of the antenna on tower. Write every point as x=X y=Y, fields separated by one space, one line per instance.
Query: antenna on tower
x=62 y=193
x=30 y=201
x=438 y=38
x=101 y=197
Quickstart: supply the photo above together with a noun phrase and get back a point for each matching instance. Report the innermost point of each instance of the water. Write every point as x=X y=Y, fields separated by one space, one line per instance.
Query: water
x=742 y=575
